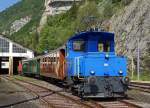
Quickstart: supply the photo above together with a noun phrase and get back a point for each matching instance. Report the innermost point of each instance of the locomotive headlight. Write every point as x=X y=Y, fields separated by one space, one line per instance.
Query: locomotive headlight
x=107 y=56
x=92 y=72
x=120 y=72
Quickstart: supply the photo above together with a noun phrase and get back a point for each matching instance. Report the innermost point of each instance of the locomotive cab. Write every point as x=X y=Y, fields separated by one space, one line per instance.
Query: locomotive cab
x=93 y=67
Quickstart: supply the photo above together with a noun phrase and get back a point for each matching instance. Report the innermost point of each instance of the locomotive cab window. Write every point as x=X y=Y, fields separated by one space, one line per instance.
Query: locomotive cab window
x=104 y=46
x=79 y=45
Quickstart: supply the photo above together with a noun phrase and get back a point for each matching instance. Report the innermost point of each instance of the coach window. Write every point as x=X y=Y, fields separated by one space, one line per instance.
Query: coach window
x=79 y=45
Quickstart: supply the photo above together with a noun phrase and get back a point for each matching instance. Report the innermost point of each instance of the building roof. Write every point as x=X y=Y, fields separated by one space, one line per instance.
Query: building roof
x=2 y=36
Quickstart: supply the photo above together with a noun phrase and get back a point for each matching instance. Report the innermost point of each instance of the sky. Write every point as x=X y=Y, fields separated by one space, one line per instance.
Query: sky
x=6 y=3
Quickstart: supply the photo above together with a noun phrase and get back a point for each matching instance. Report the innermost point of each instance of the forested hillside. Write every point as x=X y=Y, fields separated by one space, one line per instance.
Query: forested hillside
x=58 y=27
x=25 y=8
x=80 y=17
x=129 y=19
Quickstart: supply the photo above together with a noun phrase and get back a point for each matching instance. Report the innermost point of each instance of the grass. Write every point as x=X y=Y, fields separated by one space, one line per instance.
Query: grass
x=145 y=76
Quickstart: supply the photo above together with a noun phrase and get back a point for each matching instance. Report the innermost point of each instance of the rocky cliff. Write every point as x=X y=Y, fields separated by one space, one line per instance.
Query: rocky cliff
x=18 y=24
x=130 y=25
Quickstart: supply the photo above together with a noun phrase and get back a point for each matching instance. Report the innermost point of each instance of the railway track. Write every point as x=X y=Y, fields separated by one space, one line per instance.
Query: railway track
x=50 y=98
x=59 y=99
x=114 y=104
x=144 y=87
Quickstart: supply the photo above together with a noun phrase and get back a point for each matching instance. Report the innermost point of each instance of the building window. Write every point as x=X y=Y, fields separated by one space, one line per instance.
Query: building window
x=17 y=49
x=4 y=45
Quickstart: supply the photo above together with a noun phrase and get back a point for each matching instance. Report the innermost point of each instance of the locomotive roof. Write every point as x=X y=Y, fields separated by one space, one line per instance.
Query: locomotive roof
x=106 y=35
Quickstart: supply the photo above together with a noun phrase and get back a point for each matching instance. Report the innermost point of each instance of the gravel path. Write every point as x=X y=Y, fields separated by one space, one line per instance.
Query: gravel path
x=13 y=96
x=142 y=98
x=11 y=93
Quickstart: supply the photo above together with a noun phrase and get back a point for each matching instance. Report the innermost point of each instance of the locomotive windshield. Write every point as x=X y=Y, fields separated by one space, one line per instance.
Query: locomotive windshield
x=79 y=45
x=104 y=46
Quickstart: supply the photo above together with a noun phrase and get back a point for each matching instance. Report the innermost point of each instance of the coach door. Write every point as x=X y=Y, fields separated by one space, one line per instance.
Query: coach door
x=62 y=64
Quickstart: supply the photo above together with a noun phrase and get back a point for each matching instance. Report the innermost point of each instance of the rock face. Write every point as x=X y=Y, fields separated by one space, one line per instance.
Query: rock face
x=53 y=7
x=45 y=14
x=18 y=24
x=131 y=25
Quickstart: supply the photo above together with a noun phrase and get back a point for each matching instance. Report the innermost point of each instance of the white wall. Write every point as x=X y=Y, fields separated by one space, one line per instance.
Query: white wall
x=29 y=53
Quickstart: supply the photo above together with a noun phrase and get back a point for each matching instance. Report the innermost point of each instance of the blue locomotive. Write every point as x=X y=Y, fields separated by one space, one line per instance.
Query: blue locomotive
x=88 y=65
x=93 y=68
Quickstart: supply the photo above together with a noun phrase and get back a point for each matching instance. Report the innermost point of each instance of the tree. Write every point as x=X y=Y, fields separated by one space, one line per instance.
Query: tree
x=43 y=41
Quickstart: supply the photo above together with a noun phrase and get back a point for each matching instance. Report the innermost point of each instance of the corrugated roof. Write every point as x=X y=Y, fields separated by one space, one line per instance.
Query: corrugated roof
x=2 y=36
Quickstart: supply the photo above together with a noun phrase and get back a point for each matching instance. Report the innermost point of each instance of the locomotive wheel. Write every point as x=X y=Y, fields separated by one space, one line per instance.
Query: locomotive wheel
x=68 y=89
x=81 y=94
x=126 y=96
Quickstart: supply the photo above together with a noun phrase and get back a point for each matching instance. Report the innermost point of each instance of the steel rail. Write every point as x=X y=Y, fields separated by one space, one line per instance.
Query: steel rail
x=28 y=91
x=79 y=102
x=115 y=104
x=145 y=87
x=85 y=104
x=130 y=104
x=141 y=83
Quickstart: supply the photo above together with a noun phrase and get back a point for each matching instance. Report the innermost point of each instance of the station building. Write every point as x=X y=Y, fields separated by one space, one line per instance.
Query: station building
x=10 y=55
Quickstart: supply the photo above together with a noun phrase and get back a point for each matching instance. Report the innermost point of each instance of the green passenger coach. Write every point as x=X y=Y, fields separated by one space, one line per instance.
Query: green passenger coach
x=31 y=67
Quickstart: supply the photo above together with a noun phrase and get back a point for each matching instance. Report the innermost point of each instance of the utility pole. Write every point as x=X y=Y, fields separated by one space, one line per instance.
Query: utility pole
x=138 y=60
x=132 y=67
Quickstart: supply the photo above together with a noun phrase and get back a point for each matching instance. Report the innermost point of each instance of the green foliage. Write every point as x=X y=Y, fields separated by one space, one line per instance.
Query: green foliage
x=108 y=8
x=144 y=76
x=146 y=63
x=59 y=28
x=56 y=32
x=87 y=15
x=126 y=2
x=144 y=68
x=80 y=17
x=27 y=35
x=21 y=9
